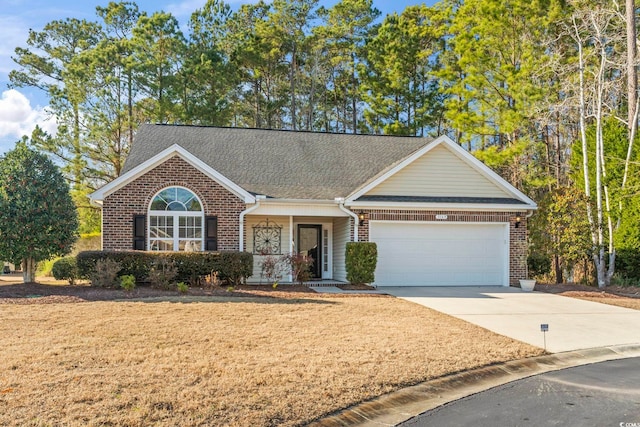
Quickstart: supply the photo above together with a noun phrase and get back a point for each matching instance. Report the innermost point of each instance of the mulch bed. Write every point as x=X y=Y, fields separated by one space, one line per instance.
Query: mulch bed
x=356 y=287
x=43 y=293
x=39 y=293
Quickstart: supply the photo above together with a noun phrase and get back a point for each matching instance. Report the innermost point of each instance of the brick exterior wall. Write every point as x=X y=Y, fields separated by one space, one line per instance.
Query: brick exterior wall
x=119 y=208
x=517 y=235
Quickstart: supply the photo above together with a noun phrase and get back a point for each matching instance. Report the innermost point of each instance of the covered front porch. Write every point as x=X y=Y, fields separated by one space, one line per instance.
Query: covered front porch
x=321 y=232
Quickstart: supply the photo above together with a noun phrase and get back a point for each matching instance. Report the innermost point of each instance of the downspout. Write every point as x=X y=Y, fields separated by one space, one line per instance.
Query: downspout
x=356 y=220
x=242 y=214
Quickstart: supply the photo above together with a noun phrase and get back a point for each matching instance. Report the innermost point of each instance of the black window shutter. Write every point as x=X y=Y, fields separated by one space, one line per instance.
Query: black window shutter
x=211 y=233
x=139 y=229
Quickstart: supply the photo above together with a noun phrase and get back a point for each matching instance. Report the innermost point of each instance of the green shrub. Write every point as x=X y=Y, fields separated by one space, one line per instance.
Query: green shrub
x=235 y=267
x=628 y=263
x=538 y=264
x=182 y=287
x=135 y=263
x=192 y=266
x=163 y=273
x=621 y=280
x=105 y=273
x=66 y=269
x=361 y=259
x=128 y=282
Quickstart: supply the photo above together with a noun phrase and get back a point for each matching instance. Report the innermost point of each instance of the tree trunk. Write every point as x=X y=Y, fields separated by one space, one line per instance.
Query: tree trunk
x=293 y=88
x=354 y=101
x=632 y=79
x=28 y=270
x=632 y=87
x=585 y=163
x=558 y=269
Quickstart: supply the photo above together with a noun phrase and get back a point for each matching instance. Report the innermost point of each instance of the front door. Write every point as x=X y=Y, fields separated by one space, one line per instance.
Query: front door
x=310 y=244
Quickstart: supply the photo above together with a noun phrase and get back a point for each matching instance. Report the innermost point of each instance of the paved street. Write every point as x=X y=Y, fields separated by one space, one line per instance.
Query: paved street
x=600 y=394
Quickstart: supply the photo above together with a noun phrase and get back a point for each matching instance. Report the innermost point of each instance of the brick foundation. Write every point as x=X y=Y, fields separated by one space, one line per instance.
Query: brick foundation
x=119 y=208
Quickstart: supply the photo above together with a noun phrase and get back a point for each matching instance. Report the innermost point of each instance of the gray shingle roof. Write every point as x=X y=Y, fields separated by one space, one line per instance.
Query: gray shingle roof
x=281 y=164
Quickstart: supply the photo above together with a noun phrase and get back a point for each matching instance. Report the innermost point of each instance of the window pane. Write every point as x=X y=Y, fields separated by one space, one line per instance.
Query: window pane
x=158 y=204
x=161 y=227
x=161 y=245
x=168 y=194
x=183 y=195
x=176 y=199
x=190 y=245
x=193 y=205
x=176 y=206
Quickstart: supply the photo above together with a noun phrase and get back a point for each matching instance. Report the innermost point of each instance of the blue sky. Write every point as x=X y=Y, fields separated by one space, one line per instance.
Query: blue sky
x=21 y=109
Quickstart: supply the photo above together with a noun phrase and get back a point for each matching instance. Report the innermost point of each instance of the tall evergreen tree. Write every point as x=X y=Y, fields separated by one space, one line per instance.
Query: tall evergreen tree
x=38 y=219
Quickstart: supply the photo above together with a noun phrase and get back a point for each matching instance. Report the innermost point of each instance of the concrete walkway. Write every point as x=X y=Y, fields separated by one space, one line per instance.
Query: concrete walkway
x=573 y=324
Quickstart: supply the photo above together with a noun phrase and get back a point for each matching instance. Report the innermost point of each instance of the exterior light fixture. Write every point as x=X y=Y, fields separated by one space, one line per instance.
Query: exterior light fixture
x=361 y=218
x=517 y=221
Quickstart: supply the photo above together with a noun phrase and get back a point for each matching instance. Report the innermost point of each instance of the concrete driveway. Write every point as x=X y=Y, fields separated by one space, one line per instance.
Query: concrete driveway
x=573 y=324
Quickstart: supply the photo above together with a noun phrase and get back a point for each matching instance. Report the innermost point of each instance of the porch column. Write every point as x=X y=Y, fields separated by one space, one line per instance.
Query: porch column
x=291 y=245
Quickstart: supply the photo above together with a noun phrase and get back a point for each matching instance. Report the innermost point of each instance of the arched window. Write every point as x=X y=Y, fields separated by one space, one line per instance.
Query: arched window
x=176 y=221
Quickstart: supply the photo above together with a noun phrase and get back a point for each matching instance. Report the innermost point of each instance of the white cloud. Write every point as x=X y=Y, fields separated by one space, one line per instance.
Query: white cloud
x=18 y=117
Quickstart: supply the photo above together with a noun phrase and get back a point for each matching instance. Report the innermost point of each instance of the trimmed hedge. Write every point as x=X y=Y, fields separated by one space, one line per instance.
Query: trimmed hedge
x=66 y=269
x=136 y=264
x=361 y=259
x=233 y=267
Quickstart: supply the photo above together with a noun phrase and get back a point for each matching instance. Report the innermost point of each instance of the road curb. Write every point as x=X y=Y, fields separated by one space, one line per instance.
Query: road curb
x=396 y=407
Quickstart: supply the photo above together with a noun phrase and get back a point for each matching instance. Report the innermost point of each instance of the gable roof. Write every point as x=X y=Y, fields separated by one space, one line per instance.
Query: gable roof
x=513 y=196
x=295 y=165
x=279 y=164
x=161 y=157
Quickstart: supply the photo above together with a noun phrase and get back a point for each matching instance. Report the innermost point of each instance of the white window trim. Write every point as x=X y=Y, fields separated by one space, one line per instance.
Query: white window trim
x=176 y=219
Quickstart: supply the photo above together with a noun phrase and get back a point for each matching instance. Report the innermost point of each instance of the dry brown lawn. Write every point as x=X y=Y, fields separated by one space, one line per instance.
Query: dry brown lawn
x=227 y=361
x=628 y=297
x=608 y=299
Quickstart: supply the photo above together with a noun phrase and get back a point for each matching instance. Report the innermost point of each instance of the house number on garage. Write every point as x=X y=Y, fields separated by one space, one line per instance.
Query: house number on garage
x=441 y=217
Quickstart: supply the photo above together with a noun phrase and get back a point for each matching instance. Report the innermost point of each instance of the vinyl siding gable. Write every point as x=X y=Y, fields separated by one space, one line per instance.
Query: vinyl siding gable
x=439 y=172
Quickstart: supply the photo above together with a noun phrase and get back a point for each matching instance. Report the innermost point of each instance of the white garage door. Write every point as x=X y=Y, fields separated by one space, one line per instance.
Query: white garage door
x=440 y=254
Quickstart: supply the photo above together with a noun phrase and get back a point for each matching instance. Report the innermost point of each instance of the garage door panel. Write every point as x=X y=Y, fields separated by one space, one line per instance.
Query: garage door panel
x=435 y=254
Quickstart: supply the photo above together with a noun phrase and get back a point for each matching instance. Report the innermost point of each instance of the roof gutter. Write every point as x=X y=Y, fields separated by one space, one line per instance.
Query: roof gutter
x=340 y=202
x=441 y=206
x=259 y=198
x=95 y=202
x=297 y=201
